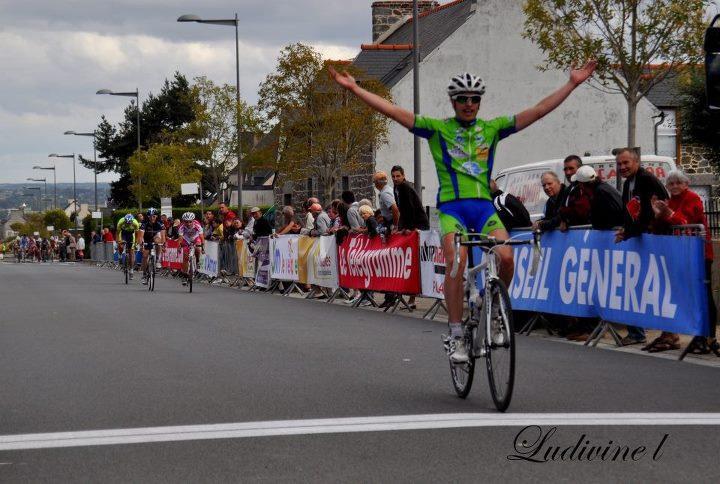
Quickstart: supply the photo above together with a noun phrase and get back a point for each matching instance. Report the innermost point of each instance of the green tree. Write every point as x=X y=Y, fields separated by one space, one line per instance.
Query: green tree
x=161 y=169
x=212 y=135
x=637 y=43
x=321 y=130
x=697 y=123
x=170 y=110
x=57 y=218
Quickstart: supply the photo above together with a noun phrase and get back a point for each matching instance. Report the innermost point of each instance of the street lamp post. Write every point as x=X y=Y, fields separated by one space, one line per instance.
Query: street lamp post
x=75 y=207
x=136 y=95
x=417 y=160
x=44 y=180
x=233 y=22
x=39 y=209
x=94 y=135
x=38 y=167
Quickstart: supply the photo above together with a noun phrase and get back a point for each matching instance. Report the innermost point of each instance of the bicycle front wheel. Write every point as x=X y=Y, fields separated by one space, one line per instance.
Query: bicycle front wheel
x=151 y=273
x=126 y=267
x=462 y=373
x=191 y=271
x=500 y=345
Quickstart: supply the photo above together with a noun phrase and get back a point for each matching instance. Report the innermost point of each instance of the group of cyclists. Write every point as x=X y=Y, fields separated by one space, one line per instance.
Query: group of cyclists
x=151 y=232
x=36 y=249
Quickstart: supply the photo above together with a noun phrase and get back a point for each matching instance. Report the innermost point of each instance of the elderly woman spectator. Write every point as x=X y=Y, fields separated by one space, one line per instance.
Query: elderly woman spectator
x=290 y=226
x=557 y=193
x=683 y=208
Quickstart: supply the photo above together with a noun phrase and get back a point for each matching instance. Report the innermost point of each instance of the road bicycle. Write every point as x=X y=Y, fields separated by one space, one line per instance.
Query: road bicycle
x=127 y=259
x=150 y=267
x=488 y=330
x=192 y=265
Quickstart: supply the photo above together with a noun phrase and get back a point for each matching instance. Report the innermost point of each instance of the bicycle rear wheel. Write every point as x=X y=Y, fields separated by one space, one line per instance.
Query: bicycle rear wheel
x=462 y=373
x=191 y=270
x=500 y=345
x=126 y=269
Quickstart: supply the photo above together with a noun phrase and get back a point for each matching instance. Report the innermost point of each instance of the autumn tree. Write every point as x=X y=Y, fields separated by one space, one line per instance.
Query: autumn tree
x=637 y=43
x=321 y=131
x=57 y=218
x=158 y=171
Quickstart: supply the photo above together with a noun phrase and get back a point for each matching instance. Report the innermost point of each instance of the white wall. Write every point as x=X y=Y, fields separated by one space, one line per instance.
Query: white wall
x=490 y=45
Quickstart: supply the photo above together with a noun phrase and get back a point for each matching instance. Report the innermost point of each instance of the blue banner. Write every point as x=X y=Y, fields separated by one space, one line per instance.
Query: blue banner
x=653 y=281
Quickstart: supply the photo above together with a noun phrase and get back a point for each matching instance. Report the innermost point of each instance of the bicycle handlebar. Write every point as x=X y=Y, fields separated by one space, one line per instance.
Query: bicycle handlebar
x=491 y=243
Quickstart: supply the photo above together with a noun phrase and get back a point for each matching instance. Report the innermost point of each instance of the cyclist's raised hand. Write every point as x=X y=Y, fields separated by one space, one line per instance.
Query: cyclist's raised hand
x=578 y=76
x=344 y=79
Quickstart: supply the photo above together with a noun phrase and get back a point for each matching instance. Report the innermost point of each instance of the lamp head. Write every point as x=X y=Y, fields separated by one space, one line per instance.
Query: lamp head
x=104 y=91
x=69 y=132
x=188 y=18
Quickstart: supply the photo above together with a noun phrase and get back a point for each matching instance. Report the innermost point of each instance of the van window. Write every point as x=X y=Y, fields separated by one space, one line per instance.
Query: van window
x=606 y=169
x=525 y=185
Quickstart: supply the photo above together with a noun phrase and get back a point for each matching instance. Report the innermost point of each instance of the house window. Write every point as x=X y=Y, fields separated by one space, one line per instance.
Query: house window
x=667 y=135
x=346 y=183
x=287 y=199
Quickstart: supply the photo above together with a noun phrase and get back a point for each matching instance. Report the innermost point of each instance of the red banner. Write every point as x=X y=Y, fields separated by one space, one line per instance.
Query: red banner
x=369 y=264
x=172 y=255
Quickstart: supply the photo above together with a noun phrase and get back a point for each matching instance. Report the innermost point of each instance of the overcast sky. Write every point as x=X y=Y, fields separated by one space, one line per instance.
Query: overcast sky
x=56 y=54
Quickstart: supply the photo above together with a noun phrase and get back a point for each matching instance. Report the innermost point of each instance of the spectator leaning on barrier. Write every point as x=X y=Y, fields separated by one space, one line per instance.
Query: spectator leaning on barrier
x=685 y=207
x=557 y=193
x=639 y=188
x=290 y=226
x=388 y=205
x=261 y=227
x=511 y=211
x=210 y=226
x=167 y=223
x=107 y=236
x=321 y=221
x=412 y=213
x=80 y=244
x=352 y=214
x=237 y=229
x=368 y=216
x=225 y=213
x=606 y=208
x=576 y=209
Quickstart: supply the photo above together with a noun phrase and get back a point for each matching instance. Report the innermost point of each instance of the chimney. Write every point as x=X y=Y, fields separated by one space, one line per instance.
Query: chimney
x=386 y=13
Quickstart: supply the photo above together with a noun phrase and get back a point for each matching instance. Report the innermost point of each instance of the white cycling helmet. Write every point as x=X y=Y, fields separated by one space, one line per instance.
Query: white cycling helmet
x=188 y=217
x=466 y=83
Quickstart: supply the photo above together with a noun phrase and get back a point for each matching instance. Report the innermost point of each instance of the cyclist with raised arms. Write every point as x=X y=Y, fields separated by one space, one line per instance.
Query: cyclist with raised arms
x=151 y=231
x=463 y=148
x=126 y=229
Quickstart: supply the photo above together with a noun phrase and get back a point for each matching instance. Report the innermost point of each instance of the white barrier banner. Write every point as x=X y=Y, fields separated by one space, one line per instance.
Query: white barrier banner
x=262 y=254
x=209 y=261
x=285 y=258
x=322 y=267
x=432 y=264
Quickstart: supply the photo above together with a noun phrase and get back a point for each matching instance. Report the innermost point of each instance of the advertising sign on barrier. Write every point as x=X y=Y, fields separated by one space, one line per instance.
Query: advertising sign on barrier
x=209 y=260
x=653 y=281
x=368 y=263
x=322 y=262
x=246 y=261
x=432 y=264
x=285 y=258
x=172 y=255
x=262 y=256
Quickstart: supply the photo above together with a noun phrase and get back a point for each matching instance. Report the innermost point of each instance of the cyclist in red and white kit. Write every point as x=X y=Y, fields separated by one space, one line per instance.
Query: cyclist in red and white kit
x=191 y=235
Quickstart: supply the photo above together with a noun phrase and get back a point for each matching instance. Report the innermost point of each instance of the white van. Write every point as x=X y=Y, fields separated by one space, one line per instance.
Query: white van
x=524 y=181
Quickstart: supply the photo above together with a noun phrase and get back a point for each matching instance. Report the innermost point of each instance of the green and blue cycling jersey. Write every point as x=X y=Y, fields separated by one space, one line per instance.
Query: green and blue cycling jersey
x=464 y=156
x=126 y=231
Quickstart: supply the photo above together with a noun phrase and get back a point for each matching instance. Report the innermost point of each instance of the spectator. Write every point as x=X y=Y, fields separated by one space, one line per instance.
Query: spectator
x=70 y=245
x=388 y=205
x=140 y=217
x=333 y=212
x=80 y=244
x=576 y=209
x=174 y=231
x=557 y=193
x=95 y=237
x=606 y=208
x=639 y=188
x=309 y=223
x=685 y=207
x=210 y=226
x=511 y=211
x=367 y=202
x=225 y=212
x=107 y=236
x=167 y=222
x=228 y=230
x=352 y=212
x=260 y=227
x=321 y=221
x=412 y=213
x=238 y=229
x=289 y=225
x=371 y=225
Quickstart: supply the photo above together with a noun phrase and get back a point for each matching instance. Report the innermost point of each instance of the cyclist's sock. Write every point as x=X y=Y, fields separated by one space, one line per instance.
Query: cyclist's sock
x=456 y=330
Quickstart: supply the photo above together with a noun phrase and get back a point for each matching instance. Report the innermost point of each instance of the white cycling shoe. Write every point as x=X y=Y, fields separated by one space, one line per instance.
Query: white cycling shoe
x=457 y=350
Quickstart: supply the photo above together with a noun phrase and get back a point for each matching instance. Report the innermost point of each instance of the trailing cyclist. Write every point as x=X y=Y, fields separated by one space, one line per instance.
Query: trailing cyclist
x=127 y=227
x=191 y=236
x=463 y=148
x=151 y=232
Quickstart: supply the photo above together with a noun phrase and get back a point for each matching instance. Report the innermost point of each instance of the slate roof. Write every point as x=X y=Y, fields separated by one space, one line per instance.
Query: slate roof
x=389 y=66
x=665 y=94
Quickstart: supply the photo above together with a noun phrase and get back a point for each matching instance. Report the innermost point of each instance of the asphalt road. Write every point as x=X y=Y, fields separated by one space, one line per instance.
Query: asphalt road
x=80 y=351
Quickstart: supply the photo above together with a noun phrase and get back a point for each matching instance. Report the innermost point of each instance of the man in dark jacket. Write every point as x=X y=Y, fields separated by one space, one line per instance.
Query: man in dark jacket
x=412 y=213
x=639 y=188
x=557 y=193
x=606 y=207
x=511 y=211
x=576 y=208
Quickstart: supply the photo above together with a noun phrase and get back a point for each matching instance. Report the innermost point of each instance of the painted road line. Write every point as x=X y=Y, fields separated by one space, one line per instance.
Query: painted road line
x=345 y=425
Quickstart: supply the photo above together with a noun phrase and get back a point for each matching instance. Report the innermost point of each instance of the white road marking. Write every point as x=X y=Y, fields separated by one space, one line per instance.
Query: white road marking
x=345 y=425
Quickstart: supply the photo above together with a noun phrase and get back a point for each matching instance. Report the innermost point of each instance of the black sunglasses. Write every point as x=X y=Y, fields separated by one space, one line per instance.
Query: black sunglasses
x=464 y=99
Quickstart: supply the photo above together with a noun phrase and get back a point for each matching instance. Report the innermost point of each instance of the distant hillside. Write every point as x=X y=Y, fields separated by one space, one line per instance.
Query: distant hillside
x=11 y=194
